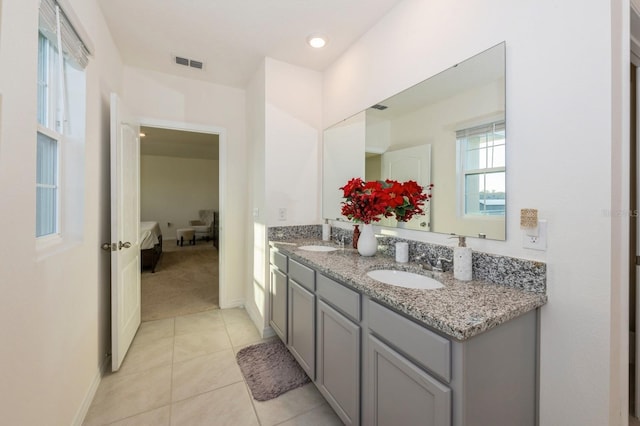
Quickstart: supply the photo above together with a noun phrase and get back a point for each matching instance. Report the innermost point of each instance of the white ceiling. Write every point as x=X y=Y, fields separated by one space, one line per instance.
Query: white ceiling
x=231 y=37
x=178 y=143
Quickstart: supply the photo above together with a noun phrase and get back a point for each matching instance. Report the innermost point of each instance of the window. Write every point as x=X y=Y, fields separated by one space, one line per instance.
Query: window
x=481 y=155
x=62 y=57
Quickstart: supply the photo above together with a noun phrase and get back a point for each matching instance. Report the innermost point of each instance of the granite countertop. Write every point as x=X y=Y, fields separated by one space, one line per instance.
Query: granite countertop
x=460 y=309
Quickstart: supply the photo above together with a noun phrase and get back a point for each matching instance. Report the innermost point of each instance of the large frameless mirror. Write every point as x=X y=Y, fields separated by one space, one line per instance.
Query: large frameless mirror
x=448 y=130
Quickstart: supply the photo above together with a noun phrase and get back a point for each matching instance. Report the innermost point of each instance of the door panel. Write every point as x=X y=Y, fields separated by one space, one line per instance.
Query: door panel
x=410 y=164
x=125 y=223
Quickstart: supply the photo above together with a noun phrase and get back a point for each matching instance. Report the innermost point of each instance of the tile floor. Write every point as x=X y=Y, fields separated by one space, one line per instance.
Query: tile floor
x=182 y=372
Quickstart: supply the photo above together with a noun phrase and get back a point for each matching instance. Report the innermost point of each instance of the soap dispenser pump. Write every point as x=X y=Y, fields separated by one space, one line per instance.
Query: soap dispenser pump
x=462 y=260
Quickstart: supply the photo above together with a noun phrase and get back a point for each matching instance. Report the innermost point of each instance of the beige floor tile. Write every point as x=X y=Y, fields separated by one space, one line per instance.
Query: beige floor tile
x=236 y=348
x=148 y=354
x=288 y=405
x=191 y=345
x=203 y=321
x=242 y=333
x=153 y=330
x=227 y=406
x=120 y=396
x=633 y=421
x=235 y=315
x=158 y=417
x=320 y=416
x=204 y=373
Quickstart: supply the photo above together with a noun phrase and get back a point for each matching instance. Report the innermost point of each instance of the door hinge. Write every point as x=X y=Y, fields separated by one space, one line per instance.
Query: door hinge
x=637 y=260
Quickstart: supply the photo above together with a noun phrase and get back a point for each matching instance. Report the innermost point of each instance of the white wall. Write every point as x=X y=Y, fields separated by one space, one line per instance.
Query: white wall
x=157 y=96
x=55 y=306
x=284 y=125
x=257 y=286
x=293 y=123
x=174 y=189
x=559 y=150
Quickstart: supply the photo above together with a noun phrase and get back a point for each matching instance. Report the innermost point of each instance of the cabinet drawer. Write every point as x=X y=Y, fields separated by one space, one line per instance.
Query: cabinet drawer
x=302 y=275
x=279 y=259
x=345 y=300
x=424 y=347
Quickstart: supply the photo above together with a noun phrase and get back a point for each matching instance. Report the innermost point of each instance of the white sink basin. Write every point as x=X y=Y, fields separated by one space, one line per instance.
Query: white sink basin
x=404 y=279
x=317 y=248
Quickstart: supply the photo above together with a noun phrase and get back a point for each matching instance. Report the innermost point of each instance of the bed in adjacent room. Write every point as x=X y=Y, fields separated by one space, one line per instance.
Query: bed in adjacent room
x=150 y=244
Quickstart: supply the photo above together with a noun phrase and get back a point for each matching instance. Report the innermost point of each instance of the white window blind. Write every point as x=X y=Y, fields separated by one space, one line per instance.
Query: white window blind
x=73 y=47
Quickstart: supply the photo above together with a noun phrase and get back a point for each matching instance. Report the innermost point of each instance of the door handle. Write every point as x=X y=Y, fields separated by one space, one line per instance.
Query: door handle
x=109 y=247
x=123 y=245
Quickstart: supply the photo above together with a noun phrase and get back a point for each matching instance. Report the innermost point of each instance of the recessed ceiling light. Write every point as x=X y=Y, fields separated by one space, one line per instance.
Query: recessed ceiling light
x=317 y=41
x=142 y=135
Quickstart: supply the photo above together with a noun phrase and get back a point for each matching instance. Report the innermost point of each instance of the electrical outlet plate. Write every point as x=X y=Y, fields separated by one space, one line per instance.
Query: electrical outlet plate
x=539 y=242
x=282 y=213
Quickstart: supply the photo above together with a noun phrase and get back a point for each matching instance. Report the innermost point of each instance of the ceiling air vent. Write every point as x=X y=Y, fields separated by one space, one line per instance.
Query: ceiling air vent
x=380 y=107
x=189 y=62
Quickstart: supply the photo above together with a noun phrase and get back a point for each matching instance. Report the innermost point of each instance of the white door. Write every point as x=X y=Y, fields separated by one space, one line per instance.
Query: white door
x=125 y=223
x=410 y=164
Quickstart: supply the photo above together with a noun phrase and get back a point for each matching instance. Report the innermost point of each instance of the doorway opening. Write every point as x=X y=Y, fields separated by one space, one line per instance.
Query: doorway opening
x=180 y=199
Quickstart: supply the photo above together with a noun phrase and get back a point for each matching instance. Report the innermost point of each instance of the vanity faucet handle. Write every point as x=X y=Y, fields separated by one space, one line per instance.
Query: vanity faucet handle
x=439 y=267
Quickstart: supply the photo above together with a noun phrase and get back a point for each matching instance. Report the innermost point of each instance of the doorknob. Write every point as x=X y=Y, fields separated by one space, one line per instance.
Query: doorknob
x=109 y=247
x=125 y=245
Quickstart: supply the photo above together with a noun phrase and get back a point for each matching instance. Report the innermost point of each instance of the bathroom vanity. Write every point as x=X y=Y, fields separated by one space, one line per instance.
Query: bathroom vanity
x=464 y=354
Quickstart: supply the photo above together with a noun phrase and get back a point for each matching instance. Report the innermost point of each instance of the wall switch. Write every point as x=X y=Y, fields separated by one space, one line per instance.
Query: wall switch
x=282 y=213
x=538 y=242
x=256 y=213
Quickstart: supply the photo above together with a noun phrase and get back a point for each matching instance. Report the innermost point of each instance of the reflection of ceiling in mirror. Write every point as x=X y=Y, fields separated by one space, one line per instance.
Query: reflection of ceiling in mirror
x=478 y=70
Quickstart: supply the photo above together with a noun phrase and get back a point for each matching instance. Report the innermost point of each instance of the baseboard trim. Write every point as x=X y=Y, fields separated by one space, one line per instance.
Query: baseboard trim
x=238 y=303
x=265 y=330
x=91 y=393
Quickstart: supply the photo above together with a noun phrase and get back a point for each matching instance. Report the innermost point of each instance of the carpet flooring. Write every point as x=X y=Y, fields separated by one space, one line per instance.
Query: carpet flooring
x=270 y=370
x=185 y=282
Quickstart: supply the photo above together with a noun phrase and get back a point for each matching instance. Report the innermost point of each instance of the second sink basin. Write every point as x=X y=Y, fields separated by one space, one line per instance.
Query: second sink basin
x=405 y=279
x=317 y=248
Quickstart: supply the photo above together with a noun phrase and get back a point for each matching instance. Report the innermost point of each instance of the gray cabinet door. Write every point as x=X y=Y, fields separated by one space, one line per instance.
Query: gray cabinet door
x=338 y=363
x=278 y=303
x=302 y=327
x=400 y=393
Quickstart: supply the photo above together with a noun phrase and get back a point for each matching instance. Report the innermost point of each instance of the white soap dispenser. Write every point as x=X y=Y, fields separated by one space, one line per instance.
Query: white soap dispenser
x=326 y=230
x=462 y=264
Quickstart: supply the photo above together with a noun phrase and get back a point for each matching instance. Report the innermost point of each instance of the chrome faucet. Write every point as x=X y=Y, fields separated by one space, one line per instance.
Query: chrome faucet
x=439 y=267
x=423 y=261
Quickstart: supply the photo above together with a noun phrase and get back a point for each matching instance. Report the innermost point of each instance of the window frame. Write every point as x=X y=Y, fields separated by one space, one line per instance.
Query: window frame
x=62 y=58
x=48 y=125
x=462 y=172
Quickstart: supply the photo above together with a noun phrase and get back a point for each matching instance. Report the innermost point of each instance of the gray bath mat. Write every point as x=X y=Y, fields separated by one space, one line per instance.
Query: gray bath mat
x=270 y=370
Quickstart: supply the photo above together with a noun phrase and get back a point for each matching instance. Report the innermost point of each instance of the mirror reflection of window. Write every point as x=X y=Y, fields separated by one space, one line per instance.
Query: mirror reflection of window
x=481 y=154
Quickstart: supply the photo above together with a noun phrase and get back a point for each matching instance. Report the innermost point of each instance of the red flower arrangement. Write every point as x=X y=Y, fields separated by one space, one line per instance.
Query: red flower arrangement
x=407 y=199
x=369 y=201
